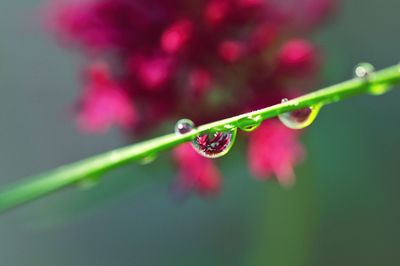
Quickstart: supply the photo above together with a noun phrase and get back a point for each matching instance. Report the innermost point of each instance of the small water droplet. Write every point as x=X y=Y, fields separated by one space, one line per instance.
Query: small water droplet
x=301 y=118
x=363 y=70
x=183 y=126
x=148 y=159
x=379 y=89
x=216 y=144
x=250 y=123
x=89 y=182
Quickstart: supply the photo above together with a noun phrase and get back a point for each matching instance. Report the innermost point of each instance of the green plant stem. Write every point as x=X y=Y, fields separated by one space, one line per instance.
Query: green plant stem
x=43 y=184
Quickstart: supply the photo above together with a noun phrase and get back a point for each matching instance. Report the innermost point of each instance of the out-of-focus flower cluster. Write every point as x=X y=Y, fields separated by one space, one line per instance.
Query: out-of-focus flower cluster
x=151 y=61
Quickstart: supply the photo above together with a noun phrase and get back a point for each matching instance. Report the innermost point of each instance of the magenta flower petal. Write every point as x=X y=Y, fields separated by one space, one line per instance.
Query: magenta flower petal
x=176 y=36
x=196 y=173
x=104 y=103
x=297 y=57
x=274 y=150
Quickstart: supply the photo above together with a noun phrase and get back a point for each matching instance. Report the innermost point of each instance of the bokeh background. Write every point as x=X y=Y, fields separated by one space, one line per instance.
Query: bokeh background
x=343 y=210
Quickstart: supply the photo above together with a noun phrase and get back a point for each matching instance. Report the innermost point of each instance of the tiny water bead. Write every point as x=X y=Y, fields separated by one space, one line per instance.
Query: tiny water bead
x=183 y=126
x=250 y=123
x=89 y=182
x=300 y=118
x=364 y=71
x=214 y=145
x=148 y=159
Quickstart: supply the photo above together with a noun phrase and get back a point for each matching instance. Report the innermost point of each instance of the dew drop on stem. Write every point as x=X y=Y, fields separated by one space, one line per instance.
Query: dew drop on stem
x=148 y=159
x=300 y=118
x=215 y=144
x=365 y=71
x=89 y=182
x=184 y=126
x=250 y=122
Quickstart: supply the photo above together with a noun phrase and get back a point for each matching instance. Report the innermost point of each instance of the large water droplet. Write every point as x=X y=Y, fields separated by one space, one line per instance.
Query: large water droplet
x=301 y=118
x=183 y=126
x=250 y=122
x=214 y=145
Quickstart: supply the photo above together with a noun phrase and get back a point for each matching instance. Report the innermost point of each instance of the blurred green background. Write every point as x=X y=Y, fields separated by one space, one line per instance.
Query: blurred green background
x=343 y=211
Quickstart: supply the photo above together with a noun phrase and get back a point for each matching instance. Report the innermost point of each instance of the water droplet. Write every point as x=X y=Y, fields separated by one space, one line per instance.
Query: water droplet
x=89 y=182
x=148 y=159
x=379 y=89
x=301 y=118
x=250 y=123
x=363 y=70
x=216 y=144
x=183 y=126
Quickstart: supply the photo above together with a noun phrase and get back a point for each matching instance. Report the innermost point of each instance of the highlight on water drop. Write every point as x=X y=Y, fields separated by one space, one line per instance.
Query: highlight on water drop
x=301 y=118
x=216 y=144
x=183 y=126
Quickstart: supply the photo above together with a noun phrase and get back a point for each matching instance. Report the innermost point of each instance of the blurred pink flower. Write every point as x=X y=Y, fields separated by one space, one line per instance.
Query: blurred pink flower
x=297 y=57
x=196 y=173
x=174 y=38
x=104 y=103
x=200 y=59
x=274 y=150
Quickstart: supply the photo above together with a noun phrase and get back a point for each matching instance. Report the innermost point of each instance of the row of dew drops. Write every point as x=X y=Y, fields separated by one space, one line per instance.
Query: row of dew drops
x=217 y=144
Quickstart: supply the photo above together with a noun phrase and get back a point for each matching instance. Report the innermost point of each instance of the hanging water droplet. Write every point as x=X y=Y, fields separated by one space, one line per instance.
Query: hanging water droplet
x=250 y=123
x=89 y=182
x=183 y=126
x=363 y=70
x=301 y=118
x=148 y=159
x=379 y=89
x=214 y=145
